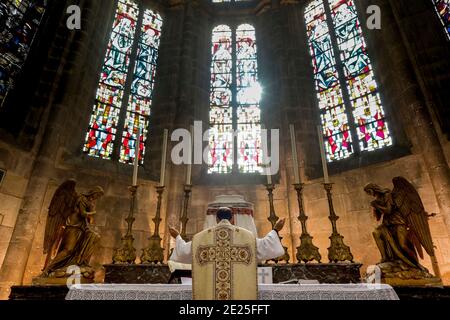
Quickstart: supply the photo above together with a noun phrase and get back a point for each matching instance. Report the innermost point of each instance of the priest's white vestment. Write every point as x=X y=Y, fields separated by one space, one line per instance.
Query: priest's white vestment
x=267 y=248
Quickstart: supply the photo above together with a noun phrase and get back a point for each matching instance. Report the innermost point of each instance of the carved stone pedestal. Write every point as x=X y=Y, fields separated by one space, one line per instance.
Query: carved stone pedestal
x=397 y=274
x=137 y=274
x=336 y=273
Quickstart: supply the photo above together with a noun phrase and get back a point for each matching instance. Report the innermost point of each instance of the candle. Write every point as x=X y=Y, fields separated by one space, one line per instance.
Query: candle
x=269 y=175
x=191 y=153
x=294 y=155
x=137 y=152
x=164 y=158
x=265 y=156
x=323 y=154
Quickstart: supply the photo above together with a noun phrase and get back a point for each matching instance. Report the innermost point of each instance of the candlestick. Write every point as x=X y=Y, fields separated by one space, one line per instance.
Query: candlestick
x=294 y=155
x=337 y=251
x=191 y=153
x=126 y=254
x=307 y=251
x=273 y=218
x=154 y=253
x=164 y=158
x=137 y=152
x=323 y=155
x=184 y=214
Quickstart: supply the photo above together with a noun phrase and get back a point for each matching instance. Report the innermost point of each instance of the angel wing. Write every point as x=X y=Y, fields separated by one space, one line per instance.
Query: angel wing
x=411 y=207
x=60 y=208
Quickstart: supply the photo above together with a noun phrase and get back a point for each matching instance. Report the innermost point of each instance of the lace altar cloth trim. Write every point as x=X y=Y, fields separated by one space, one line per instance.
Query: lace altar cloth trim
x=266 y=292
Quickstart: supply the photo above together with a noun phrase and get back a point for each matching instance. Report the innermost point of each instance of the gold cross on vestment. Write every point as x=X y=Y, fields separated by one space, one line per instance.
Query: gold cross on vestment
x=224 y=255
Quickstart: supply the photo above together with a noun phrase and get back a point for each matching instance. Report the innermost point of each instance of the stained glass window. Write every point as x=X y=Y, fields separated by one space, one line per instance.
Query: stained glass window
x=19 y=22
x=347 y=92
x=235 y=98
x=443 y=10
x=140 y=102
x=116 y=97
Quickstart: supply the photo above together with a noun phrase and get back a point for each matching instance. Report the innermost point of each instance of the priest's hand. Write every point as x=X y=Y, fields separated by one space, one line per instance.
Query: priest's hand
x=174 y=232
x=280 y=225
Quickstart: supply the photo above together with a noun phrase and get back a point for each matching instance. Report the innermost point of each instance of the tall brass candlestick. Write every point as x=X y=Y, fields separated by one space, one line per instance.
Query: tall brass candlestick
x=273 y=218
x=337 y=251
x=126 y=254
x=307 y=251
x=154 y=253
x=184 y=215
x=136 y=157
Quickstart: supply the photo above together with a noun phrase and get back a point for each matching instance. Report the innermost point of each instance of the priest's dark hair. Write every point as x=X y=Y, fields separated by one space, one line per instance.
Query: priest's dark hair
x=224 y=214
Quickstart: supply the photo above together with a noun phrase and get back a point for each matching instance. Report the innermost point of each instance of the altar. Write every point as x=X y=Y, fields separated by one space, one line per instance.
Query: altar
x=131 y=292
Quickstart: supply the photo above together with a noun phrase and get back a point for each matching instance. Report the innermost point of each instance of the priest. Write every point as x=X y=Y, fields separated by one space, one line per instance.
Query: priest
x=224 y=258
x=268 y=248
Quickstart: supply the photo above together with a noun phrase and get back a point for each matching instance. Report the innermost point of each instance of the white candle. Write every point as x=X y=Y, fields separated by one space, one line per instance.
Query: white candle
x=266 y=149
x=294 y=155
x=191 y=153
x=164 y=158
x=136 y=157
x=323 y=154
x=269 y=175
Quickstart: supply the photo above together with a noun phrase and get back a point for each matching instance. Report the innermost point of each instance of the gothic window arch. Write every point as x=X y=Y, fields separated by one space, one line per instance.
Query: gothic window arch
x=125 y=90
x=235 y=102
x=351 y=111
x=19 y=22
x=442 y=8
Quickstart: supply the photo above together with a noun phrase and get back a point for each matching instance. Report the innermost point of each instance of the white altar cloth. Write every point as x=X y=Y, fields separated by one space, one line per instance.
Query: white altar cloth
x=266 y=292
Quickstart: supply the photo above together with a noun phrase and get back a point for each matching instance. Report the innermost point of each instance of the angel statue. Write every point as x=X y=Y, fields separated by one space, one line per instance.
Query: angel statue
x=70 y=238
x=403 y=233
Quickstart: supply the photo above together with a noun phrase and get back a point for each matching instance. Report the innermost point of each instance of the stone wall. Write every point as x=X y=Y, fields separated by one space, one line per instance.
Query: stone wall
x=12 y=190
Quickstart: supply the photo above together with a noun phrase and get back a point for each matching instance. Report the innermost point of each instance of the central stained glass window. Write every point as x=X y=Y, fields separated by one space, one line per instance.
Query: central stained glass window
x=125 y=91
x=352 y=115
x=235 y=102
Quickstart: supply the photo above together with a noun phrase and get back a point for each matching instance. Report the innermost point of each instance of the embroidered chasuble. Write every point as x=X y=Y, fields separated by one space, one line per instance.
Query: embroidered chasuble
x=224 y=264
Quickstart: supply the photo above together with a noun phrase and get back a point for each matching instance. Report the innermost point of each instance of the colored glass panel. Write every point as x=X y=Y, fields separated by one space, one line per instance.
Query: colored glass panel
x=221 y=112
x=248 y=98
x=329 y=93
x=367 y=108
x=105 y=117
x=125 y=39
x=365 y=103
x=243 y=113
x=19 y=22
x=140 y=102
x=443 y=10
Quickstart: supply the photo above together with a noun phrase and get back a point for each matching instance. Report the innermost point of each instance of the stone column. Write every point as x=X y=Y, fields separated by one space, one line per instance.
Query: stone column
x=16 y=258
x=411 y=105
